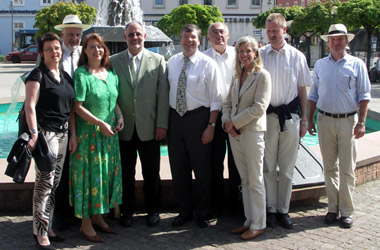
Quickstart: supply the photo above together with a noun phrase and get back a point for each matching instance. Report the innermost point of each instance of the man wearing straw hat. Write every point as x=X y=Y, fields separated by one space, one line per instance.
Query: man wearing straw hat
x=341 y=92
x=71 y=32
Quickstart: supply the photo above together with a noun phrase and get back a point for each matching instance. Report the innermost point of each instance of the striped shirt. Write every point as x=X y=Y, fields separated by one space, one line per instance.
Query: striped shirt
x=288 y=70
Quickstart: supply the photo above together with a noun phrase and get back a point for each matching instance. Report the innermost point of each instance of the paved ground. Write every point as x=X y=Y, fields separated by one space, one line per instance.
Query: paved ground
x=309 y=231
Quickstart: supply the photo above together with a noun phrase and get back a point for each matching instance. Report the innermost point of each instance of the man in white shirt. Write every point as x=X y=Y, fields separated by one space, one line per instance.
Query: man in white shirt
x=224 y=56
x=195 y=99
x=286 y=118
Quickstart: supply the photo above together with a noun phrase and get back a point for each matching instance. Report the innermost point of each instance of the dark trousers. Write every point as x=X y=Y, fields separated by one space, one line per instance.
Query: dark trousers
x=187 y=154
x=217 y=168
x=62 y=205
x=149 y=152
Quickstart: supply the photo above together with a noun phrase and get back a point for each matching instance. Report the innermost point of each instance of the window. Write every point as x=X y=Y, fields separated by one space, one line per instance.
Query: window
x=231 y=3
x=159 y=3
x=295 y=3
x=303 y=3
x=45 y=2
x=255 y=3
x=181 y=2
x=280 y=5
x=207 y=2
x=18 y=25
x=287 y=4
x=18 y=2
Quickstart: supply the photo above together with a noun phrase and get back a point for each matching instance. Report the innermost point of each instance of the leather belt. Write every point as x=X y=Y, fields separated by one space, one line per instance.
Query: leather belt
x=337 y=115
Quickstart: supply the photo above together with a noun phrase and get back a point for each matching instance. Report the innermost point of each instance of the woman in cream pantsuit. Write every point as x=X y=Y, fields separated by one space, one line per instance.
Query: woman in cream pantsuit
x=245 y=121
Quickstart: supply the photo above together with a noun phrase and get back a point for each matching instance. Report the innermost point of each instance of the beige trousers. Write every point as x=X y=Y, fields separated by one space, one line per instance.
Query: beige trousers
x=248 y=152
x=281 y=150
x=337 y=143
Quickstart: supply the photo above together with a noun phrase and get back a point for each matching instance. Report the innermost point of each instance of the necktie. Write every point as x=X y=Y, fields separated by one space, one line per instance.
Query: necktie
x=72 y=63
x=181 y=107
x=134 y=68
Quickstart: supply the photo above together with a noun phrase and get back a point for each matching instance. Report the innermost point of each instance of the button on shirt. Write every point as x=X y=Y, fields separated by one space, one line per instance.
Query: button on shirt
x=339 y=86
x=204 y=82
x=66 y=59
x=226 y=65
x=288 y=70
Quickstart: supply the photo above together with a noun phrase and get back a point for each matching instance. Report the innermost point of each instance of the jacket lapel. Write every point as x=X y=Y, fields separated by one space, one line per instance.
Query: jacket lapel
x=143 y=66
x=248 y=83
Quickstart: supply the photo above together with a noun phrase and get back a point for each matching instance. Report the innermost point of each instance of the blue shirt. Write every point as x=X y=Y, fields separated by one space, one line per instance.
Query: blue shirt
x=339 y=86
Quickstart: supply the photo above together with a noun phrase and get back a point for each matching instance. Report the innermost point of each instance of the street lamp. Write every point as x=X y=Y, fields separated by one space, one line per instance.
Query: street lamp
x=11 y=10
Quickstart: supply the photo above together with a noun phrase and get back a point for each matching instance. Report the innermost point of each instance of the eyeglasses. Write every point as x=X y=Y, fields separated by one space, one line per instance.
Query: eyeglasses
x=50 y=50
x=132 y=34
x=98 y=46
x=218 y=31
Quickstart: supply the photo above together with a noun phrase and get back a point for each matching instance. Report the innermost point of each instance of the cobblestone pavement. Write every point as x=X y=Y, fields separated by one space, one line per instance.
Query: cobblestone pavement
x=309 y=231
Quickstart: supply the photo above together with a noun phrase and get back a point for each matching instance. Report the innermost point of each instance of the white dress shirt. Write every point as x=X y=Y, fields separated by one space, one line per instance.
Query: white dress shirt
x=66 y=59
x=226 y=65
x=204 y=81
x=288 y=69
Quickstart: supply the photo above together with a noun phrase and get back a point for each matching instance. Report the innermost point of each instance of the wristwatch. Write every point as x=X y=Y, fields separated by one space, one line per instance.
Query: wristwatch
x=361 y=124
x=212 y=124
x=33 y=131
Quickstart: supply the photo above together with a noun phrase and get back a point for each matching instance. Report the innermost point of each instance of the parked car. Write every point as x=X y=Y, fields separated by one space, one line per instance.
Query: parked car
x=28 y=54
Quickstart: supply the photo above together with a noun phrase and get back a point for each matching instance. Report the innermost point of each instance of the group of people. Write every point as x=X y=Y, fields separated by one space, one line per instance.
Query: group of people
x=107 y=110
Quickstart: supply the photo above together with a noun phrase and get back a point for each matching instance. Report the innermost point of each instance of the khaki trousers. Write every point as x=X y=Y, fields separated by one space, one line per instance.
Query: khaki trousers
x=248 y=152
x=281 y=150
x=337 y=143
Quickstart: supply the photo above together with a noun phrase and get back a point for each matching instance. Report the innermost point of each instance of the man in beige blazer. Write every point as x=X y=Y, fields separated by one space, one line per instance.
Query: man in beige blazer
x=144 y=102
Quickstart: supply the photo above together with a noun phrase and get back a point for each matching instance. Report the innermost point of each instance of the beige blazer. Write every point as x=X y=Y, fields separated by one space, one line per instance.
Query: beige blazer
x=246 y=107
x=145 y=102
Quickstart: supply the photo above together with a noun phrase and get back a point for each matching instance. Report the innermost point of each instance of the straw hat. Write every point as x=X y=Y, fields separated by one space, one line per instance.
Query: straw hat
x=338 y=30
x=72 y=21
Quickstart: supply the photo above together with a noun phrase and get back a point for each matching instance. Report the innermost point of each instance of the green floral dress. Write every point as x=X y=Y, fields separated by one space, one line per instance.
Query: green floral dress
x=95 y=169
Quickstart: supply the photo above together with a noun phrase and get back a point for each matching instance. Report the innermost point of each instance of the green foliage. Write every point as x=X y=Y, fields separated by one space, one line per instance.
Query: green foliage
x=201 y=15
x=2 y=58
x=288 y=12
x=360 y=13
x=316 y=17
x=53 y=15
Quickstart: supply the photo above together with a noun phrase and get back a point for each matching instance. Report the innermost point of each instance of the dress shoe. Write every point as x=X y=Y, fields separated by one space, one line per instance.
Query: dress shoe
x=346 y=221
x=271 y=219
x=240 y=230
x=95 y=238
x=107 y=229
x=331 y=218
x=285 y=220
x=51 y=238
x=251 y=234
x=203 y=222
x=153 y=219
x=180 y=220
x=126 y=220
x=48 y=247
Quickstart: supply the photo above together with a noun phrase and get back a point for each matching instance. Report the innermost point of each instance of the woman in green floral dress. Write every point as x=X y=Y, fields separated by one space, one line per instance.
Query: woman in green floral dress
x=95 y=169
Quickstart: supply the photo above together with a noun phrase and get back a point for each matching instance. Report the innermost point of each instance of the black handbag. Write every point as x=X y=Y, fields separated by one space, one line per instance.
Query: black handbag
x=22 y=124
x=44 y=158
x=19 y=159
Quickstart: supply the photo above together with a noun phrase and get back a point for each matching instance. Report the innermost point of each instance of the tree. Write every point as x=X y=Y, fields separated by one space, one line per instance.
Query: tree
x=361 y=13
x=201 y=15
x=53 y=15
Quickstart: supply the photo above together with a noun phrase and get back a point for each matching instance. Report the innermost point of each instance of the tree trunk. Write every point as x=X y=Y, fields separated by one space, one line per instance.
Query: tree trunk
x=369 y=34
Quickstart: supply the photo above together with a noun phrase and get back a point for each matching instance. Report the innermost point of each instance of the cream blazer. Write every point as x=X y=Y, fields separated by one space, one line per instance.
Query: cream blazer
x=246 y=107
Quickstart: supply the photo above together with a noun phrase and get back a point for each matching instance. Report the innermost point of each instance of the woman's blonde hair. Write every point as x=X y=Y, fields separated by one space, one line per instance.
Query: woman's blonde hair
x=257 y=62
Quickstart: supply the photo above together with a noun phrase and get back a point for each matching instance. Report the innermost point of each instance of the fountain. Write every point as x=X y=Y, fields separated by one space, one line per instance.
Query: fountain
x=111 y=19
